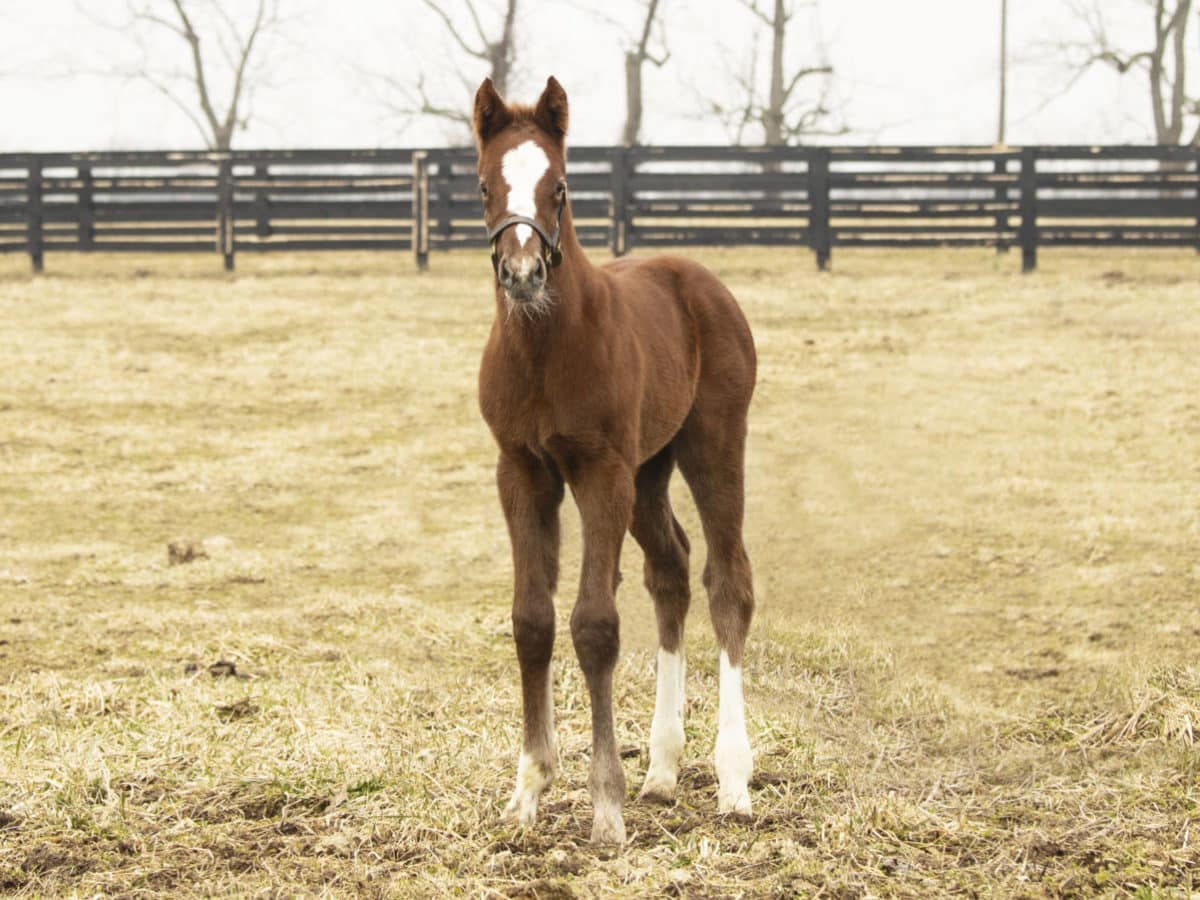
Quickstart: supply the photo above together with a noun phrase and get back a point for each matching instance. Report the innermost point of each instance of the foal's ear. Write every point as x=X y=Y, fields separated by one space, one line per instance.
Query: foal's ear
x=551 y=110
x=491 y=112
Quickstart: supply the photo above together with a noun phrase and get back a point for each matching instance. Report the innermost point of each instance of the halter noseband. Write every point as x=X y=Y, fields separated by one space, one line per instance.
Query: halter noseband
x=551 y=243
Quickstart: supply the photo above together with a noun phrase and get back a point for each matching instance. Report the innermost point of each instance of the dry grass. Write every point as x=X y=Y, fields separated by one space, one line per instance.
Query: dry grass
x=974 y=515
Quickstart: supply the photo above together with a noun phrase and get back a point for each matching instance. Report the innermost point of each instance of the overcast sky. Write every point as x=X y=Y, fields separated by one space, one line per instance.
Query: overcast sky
x=920 y=71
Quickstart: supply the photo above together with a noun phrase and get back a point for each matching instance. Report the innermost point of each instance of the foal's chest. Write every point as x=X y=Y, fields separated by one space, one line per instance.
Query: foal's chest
x=553 y=410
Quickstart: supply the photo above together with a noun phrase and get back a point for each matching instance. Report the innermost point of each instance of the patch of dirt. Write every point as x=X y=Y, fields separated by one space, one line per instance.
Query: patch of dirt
x=49 y=860
x=542 y=889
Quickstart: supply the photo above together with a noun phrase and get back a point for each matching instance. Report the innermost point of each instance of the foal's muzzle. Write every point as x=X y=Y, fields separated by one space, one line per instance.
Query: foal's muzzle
x=524 y=277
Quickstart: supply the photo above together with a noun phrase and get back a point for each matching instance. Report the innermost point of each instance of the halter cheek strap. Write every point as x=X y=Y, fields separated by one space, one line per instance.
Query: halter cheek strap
x=551 y=243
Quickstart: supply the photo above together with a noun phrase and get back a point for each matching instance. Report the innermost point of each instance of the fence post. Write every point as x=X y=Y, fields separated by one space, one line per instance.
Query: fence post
x=1000 y=167
x=87 y=209
x=1198 y=200
x=262 y=202
x=820 y=236
x=35 y=216
x=225 y=212
x=1028 y=234
x=442 y=180
x=420 y=209
x=619 y=201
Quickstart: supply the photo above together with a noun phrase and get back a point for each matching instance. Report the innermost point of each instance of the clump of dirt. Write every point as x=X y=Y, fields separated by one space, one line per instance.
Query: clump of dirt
x=182 y=551
x=222 y=668
x=242 y=709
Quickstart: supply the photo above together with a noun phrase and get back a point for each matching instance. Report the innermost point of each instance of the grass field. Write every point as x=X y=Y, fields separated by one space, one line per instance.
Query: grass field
x=974 y=515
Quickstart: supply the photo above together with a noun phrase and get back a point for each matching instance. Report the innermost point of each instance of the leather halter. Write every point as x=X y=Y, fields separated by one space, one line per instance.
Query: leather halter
x=551 y=243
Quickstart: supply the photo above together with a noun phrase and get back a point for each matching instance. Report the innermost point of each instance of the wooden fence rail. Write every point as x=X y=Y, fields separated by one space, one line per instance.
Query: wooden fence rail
x=426 y=201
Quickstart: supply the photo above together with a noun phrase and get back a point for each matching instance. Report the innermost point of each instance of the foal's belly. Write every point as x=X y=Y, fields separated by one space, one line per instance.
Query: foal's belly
x=659 y=427
x=669 y=390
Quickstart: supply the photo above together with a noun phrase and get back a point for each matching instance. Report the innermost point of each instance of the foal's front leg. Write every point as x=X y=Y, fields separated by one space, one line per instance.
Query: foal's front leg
x=530 y=493
x=604 y=492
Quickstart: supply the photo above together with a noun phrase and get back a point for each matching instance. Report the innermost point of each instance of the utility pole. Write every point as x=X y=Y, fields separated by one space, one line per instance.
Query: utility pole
x=1003 y=69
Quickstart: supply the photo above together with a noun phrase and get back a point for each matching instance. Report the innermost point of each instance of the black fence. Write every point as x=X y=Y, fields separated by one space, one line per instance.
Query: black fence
x=424 y=201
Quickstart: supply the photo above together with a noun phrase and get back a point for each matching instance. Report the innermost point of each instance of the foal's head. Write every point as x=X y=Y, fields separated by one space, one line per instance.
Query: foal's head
x=522 y=179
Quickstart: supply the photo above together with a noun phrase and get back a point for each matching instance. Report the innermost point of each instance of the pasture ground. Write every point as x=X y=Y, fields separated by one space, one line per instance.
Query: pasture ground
x=974 y=515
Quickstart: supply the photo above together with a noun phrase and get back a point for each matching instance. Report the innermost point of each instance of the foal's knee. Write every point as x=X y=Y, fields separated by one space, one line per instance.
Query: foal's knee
x=533 y=632
x=666 y=574
x=597 y=639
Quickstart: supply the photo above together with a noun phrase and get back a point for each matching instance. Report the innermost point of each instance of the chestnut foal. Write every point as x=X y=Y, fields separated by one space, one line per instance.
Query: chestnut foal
x=604 y=378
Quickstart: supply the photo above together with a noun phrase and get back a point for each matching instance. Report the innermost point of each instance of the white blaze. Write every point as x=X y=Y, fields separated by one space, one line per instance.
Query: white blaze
x=522 y=168
x=734 y=760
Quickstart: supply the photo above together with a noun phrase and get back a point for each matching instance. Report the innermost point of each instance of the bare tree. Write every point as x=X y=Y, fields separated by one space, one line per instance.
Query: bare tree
x=788 y=114
x=226 y=42
x=636 y=55
x=497 y=50
x=1162 y=58
x=635 y=59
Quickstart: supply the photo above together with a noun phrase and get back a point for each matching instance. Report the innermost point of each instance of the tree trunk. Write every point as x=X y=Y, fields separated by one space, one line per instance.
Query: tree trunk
x=223 y=138
x=633 y=98
x=1156 y=76
x=773 y=115
x=501 y=52
x=635 y=59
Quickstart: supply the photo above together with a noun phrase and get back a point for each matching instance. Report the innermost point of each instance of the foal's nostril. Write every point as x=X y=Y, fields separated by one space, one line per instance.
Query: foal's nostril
x=539 y=270
x=505 y=272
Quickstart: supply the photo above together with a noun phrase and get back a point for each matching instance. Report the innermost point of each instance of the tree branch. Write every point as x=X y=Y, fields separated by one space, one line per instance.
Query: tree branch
x=752 y=6
x=193 y=40
x=802 y=74
x=467 y=48
x=231 y=117
x=426 y=107
x=185 y=108
x=478 y=24
x=602 y=16
x=651 y=9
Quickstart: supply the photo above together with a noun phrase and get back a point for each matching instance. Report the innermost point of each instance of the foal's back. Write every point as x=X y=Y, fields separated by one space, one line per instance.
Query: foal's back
x=689 y=288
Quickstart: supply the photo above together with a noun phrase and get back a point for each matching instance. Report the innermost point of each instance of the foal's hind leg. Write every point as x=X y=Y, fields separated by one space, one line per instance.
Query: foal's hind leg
x=666 y=571
x=710 y=450
x=530 y=493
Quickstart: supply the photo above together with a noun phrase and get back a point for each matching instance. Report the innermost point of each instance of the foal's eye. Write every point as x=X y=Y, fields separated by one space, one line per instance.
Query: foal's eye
x=483 y=190
x=560 y=190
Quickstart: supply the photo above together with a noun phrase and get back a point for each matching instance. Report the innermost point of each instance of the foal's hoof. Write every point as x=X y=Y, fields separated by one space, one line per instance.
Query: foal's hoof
x=734 y=803
x=532 y=780
x=658 y=788
x=521 y=810
x=608 y=827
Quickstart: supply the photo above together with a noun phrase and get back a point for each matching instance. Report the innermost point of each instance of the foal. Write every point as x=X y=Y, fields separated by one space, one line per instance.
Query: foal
x=605 y=378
